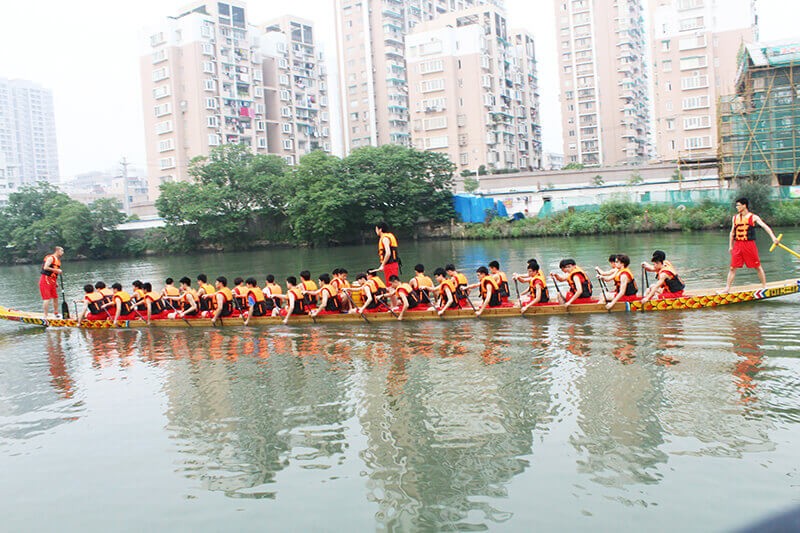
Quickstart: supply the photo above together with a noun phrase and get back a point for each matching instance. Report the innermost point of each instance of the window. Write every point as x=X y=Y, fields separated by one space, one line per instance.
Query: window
x=166 y=162
x=433 y=143
x=260 y=109
x=695 y=102
x=159 y=56
x=324 y=116
x=286 y=112
x=166 y=145
x=262 y=142
x=432 y=85
x=694 y=82
x=688 y=43
x=284 y=79
x=261 y=125
x=161 y=91
x=284 y=95
x=207 y=49
x=213 y=139
x=432 y=47
x=286 y=128
x=209 y=85
x=157 y=38
x=208 y=67
x=665 y=45
x=666 y=65
x=670 y=123
x=289 y=160
x=287 y=144
x=163 y=109
x=691 y=23
x=212 y=122
x=461 y=120
x=163 y=127
x=697 y=122
x=211 y=103
x=463 y=158
x=160 y=74
x=436 y=65
x=435 y=123
x=259 y=92
x=283 y=63
x=688 y=63
x=433 y=104
x=691 y=143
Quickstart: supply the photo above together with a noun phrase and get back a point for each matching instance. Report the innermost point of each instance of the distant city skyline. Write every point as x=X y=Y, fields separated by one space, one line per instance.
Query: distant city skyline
x=89 y=58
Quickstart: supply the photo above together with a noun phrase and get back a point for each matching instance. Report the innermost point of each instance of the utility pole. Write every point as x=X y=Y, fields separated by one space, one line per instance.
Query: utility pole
x=126 y=203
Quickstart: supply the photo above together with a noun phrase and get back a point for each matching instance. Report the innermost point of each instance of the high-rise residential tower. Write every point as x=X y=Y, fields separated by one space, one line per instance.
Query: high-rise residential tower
x=694 y=50
x=472 y=90
x=203 y=85
x=27 y=133
x=372 y=68
x=604 y=104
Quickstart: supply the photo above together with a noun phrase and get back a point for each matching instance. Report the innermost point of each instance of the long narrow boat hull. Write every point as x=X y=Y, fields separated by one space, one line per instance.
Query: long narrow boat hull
x=700 y=299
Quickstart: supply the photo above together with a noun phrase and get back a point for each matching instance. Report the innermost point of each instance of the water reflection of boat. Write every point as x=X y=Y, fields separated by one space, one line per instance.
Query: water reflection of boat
x=699 y=299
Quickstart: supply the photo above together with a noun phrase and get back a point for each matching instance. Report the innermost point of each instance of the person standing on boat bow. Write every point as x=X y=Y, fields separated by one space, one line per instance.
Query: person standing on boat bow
x=742 y=242
x=387 y=252
x=51 y=268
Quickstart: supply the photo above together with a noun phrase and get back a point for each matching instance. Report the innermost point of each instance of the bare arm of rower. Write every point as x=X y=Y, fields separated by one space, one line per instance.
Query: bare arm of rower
x=387 y=252
x=322 y=304
x=291 y=299
x=367 y=298
x=447 y=303
x=623 y=285
x=403 y=307
x=486 y=300
x=192 y=306
x=764 y=225
x=648 y=267
x=219 y=307
x=535 y=300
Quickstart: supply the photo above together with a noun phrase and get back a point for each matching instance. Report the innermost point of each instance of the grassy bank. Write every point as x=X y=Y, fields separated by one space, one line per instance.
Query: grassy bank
x=625 y=217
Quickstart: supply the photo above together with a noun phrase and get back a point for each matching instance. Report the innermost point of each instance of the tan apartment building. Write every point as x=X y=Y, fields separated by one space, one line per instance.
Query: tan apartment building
x=203 y=85
x=297 y=119
x=604 y=104
x=370 y=38
x=472 y=89
x=694 y=48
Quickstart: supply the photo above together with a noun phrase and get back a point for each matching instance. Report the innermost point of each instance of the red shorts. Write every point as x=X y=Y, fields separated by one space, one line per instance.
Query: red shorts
x=47 y=287
x=389 y=270
x=745 y=253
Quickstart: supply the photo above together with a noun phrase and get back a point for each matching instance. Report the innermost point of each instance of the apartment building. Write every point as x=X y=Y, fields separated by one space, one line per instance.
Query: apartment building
x=297 y=118
x=694 y=50
x=472 y=89
x=27 y=134
x=203 y=85
x=604 y=103
x=373 y=81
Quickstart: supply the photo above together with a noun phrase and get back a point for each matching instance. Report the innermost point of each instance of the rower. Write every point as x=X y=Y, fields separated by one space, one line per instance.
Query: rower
x=152 y=302
x=310 y=290
x=205 y=293
x=420 y=283
x=223 y=300
x=608 y=275
x=489 y=289
x=189 y=302
x=123 y=306
x=339 y=281
x=447 y=291
x=461 y=283
x=405 y=294
x=294 y=297
x=137 y=295
x=93 y=305
x=257 y=303
x=368 y=290
x=537 y=286
x=501 y=279
x=387 y=252
x=170 y=294
x=240 y=292
x=668 y=284
x=107 y=293
x=273 y=291
x=580 y=286
x=625 y=289
x=328 y=297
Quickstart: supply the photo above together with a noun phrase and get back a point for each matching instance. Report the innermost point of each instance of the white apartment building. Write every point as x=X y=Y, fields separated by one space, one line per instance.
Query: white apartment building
x=27 y=134
x=604 y=104
x=297 y=119
x=472 y=89
x=694 y=48
x=373 y=80
x=203 y=85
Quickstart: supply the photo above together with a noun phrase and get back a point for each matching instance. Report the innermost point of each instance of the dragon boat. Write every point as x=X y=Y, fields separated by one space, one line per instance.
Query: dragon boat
x=691 y=300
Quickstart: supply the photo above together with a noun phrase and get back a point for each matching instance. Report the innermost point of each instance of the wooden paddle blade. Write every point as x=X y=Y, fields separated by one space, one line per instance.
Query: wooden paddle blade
x=64 y=309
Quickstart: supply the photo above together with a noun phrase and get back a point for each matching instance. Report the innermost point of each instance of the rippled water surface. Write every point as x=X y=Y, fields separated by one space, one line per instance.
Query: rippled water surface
x=664 y=421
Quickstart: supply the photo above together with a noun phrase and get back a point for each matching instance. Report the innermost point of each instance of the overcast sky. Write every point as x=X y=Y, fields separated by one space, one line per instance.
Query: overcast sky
x=87 y=52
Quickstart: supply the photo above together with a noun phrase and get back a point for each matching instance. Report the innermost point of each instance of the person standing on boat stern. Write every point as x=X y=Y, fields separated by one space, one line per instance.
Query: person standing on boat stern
x=387 y=252
x=51 y=268
x=742 y=242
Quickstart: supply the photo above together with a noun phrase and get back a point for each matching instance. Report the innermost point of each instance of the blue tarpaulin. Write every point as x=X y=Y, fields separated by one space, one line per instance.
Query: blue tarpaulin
x=471 y=208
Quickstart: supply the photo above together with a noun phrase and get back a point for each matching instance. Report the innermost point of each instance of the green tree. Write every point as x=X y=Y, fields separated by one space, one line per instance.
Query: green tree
x=471 y=184
x=572 y=166
x=598 y=180
x=758 y=191
x=635 y=179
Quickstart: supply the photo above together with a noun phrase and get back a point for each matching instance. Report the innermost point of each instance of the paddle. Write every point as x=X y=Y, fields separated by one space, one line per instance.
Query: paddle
x=558 y=290
x=172 y=306
x=386 y=306
x=355 y=306
x=519 y=298
x=64 y=305
x=425 y=294
x=782 y=246
x=604 y=289
x=645 y=280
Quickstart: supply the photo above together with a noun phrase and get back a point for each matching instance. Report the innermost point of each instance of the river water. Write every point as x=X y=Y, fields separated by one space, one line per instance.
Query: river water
x=665 y=421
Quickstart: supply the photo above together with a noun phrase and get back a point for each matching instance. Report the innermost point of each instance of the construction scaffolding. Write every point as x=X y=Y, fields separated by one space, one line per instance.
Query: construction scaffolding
x=758 y=125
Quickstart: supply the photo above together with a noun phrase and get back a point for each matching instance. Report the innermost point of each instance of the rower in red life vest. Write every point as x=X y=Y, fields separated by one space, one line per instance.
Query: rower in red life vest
x=502 y=281
x=274 y=292
x=625 y=289
x=421 y=283
x=153 y=304
x=170 y=295
x=608 y=274
x=310 y=290
x=446 y=290
x=205 y=293
x=123 y=306
x=742 y=242
x=189 y=303
x=537 y=286
x=339 y=282
x=387 y=252
x=240 y=292
x=223 y=300
x=489 y=290
x=107 y=293
x=294 y=297
x=405 y=295
x=328 y=296
x=93 y=305
x=460 y=282
x=137 y=295
x=580 y=287
x=51 y=268
x=668 y=284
